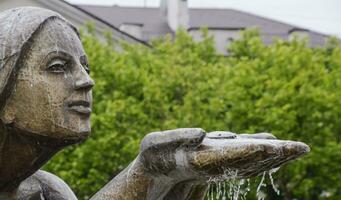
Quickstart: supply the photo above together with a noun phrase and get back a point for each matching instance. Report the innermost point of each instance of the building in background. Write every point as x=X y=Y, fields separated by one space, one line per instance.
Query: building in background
x=141 y=24
x=224 y=24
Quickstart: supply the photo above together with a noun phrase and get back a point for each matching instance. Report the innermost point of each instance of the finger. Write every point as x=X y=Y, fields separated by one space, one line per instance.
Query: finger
x=266 y=136
x=221 y=135
x=173 y=138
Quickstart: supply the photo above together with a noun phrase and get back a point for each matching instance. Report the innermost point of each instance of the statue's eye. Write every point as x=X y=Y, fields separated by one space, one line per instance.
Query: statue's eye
x=87 y=69
x=57 y=66
x=84 y=61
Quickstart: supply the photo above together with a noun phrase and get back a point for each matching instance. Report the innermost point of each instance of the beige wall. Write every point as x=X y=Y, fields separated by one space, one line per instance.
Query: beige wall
x=222 y=38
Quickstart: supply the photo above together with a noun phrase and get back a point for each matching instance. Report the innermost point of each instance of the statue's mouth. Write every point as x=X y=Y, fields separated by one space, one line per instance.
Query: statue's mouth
x=245 y=157
x=80 y=107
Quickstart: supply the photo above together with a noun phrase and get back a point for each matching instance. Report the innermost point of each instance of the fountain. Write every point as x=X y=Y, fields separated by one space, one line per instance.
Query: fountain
x=45 y=105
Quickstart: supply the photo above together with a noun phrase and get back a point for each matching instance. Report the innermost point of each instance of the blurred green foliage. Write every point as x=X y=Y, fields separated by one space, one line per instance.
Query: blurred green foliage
x=287 y=88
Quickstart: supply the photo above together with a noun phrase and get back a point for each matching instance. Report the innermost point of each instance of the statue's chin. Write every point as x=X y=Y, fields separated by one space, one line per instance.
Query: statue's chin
x=63 y=141
x=70 y=138
x=76 y=137
x=54 y=138
x=243 y=157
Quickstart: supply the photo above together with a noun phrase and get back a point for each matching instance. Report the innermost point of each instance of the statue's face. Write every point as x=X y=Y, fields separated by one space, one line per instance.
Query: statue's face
x=52 y=94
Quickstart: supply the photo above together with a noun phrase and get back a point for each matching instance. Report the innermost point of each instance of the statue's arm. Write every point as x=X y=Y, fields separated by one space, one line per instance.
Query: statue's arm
x=134 y=183
x=130 y=184
x=44 y=185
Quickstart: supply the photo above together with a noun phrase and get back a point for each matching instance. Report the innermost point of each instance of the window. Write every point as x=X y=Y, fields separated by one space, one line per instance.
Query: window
x=132 y=29
x=299 y=34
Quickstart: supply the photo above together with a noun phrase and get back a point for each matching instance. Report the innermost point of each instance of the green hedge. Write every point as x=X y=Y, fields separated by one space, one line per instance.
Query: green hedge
x=287 y=88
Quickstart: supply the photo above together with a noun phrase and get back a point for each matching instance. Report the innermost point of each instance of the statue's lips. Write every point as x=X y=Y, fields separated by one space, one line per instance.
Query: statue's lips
x=80 y=107
x=244 y=156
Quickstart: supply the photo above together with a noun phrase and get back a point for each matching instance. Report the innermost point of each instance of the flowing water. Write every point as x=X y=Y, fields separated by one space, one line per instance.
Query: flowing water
x=237 y=189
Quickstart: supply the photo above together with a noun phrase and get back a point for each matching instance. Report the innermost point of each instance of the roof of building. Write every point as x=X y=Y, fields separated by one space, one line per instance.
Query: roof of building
x=151 y=18
x=76 y=15
x=154 y=24
x=110 y=25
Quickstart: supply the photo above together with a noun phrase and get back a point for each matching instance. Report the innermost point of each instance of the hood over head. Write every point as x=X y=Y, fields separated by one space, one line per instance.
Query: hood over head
x=17 y=26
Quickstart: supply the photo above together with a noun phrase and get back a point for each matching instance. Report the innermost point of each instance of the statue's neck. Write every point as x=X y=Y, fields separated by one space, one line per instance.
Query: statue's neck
x=21 y=155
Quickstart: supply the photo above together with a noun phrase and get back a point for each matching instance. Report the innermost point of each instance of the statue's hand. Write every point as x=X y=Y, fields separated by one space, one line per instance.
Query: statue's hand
x=159 y=149
x=190 y=154
x=163 y=152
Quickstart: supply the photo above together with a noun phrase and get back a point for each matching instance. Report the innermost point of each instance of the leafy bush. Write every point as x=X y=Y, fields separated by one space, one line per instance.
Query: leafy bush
x=287 y=88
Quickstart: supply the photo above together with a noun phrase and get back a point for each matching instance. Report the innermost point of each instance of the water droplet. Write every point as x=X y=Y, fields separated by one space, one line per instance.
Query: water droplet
x=228 y=187
x=272 y=182
x=260 y=194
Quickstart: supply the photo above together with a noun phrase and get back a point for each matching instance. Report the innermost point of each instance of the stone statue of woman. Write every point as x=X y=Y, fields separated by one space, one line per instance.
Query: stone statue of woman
x=45 y=105
x=45 y=100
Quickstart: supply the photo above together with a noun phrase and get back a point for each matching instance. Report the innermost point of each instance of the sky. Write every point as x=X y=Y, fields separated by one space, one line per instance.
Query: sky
x=323 y=16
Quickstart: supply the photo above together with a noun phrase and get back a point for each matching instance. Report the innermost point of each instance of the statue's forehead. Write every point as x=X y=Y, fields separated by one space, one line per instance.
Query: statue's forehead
x=57 y=35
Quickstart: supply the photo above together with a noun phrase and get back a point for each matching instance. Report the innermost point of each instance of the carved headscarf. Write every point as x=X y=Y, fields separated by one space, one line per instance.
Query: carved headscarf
x=17 y=27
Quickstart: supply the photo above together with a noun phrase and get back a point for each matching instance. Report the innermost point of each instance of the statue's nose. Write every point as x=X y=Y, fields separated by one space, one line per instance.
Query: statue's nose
x=83 y=80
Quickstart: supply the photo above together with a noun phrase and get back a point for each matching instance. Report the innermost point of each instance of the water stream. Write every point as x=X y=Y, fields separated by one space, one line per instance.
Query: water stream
x=237 y=189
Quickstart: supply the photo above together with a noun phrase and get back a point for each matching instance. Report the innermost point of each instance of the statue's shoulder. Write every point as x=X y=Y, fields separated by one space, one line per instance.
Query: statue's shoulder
x=44 y=185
